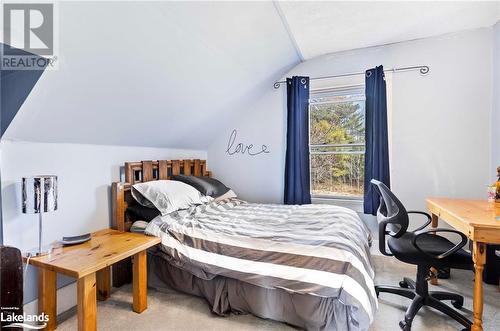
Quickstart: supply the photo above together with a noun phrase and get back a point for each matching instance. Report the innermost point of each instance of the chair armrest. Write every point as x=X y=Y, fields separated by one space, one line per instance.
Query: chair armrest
x=381 y=235
x=445 y=254
x=429 y=218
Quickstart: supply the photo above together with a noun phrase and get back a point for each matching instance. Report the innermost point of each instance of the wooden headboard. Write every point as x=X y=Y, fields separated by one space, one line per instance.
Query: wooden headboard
x=145 y=171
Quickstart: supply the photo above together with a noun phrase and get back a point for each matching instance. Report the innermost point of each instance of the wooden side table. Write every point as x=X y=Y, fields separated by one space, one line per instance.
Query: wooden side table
x=90 y=264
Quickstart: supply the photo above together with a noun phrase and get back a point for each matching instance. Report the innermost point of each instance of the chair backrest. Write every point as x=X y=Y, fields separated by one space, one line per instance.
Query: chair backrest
x=391 y=214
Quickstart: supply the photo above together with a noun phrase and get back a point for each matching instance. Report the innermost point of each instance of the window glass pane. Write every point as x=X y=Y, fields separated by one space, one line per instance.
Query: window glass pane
x=337 y=95
x=337 y=123
x=337 y=174
x=337 y=142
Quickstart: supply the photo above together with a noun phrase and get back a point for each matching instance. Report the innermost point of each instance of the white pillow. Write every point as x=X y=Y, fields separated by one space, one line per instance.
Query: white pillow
x=228 y=195
x=167 y=195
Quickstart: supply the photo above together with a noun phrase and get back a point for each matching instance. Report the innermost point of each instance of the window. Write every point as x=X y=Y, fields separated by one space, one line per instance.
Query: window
x=337 y=142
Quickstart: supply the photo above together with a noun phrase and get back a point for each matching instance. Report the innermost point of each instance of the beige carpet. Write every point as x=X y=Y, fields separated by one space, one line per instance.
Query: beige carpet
x=180 y=312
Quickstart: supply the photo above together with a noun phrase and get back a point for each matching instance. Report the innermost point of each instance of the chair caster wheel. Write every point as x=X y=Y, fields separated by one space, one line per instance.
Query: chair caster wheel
x=458 y=304
x=403 y=284
x=404 y=326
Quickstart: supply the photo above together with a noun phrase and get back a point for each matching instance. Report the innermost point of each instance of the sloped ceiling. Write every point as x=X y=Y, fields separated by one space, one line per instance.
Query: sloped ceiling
x=326 y=27
x=154 y=74
x=172 y=74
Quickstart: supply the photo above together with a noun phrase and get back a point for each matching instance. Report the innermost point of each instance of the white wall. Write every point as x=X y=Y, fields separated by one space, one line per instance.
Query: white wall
x=85 y=173
x=495 y=119
x=254 y=178
x=441 y=132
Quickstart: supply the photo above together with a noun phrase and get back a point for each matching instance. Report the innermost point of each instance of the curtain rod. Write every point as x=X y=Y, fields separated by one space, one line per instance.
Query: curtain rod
x=423 y=70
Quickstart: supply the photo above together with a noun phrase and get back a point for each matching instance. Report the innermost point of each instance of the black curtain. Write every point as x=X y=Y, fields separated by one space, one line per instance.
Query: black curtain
x=15 y=86
x=297 y=184
x=376 y=135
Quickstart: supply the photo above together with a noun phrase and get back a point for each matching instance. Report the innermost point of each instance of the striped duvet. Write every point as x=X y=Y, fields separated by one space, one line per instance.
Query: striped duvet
x=317 y=250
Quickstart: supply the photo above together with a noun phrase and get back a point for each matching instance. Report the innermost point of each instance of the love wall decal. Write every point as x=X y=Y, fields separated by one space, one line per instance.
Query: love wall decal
x=241 y=148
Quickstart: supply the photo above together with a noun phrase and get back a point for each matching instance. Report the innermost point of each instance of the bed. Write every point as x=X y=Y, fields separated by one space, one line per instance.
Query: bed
x=308 y=266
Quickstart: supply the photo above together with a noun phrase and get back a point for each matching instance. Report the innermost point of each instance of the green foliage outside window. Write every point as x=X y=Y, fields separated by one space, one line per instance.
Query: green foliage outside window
x=337 y=137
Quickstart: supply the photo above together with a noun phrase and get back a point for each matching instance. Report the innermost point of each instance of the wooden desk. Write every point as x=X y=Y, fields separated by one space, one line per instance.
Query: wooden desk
x=480 y=221
x=90 y=264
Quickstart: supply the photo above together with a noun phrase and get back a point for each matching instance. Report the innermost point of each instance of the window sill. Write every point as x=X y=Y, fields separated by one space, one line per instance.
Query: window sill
x=354 y=204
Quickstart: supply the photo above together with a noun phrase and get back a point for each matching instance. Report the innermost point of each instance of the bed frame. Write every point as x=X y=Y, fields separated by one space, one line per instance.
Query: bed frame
x=140 y=172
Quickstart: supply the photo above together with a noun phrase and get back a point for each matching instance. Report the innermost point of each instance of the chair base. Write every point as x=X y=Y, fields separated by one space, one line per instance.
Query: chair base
x=419 y=293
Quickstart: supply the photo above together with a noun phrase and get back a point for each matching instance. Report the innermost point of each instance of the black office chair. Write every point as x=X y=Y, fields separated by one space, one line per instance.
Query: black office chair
x=424 y=248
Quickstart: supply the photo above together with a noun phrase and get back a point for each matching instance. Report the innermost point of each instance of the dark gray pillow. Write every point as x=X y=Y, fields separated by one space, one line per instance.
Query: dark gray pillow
x=139 y=212
x=206 y=185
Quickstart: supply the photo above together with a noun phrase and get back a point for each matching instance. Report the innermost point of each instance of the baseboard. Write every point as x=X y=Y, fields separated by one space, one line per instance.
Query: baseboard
x=66 y=299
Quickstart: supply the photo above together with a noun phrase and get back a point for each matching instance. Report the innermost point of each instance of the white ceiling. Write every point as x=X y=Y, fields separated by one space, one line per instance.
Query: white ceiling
x=326 y=27
x=171 y=74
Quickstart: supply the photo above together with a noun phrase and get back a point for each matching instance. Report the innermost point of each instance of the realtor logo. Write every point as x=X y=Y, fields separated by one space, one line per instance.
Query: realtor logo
x=9 y=319
x=29 y=38
x=36 y=21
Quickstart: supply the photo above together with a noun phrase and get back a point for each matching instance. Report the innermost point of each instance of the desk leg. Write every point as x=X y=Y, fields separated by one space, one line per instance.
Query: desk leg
x=47 y=297
x=479 y=257
x=87 y=305
x=103 y=281
x=434 y=271
x=139 y=282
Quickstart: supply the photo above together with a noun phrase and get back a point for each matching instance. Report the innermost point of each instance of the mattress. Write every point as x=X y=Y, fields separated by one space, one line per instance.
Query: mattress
x=313 y=251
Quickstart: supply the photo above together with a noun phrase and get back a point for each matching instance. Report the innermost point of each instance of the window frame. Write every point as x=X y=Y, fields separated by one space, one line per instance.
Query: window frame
x=354 y=202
